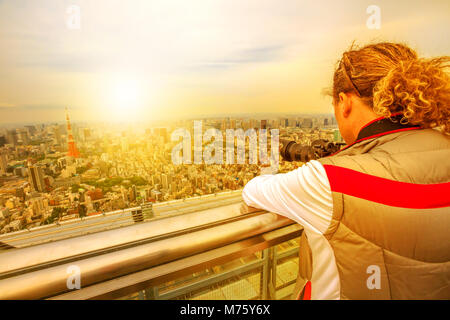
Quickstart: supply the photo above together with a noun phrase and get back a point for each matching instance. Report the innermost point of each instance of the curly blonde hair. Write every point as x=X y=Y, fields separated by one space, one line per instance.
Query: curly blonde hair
x=390 y=78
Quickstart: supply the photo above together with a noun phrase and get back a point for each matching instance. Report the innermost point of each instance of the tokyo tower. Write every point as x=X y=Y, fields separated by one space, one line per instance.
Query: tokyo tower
x=73 y=151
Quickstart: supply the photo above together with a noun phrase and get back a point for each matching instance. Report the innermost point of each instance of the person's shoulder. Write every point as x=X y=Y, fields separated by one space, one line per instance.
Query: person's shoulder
x=313 y=172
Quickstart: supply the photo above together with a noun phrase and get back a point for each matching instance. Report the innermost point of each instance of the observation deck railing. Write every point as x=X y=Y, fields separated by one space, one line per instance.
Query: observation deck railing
x=214 y=253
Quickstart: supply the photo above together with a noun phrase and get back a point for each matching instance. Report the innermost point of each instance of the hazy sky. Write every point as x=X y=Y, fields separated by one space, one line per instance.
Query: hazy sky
x=159 y=59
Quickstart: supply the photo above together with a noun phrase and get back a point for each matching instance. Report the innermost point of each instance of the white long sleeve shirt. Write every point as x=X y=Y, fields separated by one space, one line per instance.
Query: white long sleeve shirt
x=303 y=195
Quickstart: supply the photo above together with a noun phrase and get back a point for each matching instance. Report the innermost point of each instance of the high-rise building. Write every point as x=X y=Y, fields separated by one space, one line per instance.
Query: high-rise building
x=31 y=130
x=18 y=171
x=57 y=133
x=73 y=151
x=87 y=133
x=133 y=193
x=166 y=180
x=3 y=163
x=275 y=123
x=37 y=204
x=12 y=137
x=163 y=134
x=263 y=124
x=307 y=123
x=223 y=124
x=36 y=175
x=24 y=137
x=292 y=123
x=124 y=143
x=337 y=136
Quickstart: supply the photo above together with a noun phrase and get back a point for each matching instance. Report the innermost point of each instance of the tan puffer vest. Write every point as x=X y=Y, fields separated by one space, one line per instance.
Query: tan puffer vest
x=390 y=230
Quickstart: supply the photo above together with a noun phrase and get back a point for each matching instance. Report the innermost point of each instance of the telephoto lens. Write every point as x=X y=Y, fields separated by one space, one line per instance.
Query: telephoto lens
x=292 y=151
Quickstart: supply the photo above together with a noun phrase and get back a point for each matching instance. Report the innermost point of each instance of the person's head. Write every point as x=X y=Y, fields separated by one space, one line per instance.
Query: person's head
x=386 y=78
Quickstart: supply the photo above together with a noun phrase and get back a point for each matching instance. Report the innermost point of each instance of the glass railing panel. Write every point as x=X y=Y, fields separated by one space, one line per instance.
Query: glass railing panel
x=244 y=278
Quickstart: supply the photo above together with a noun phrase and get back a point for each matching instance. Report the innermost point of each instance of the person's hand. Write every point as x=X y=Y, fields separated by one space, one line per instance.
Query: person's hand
x=246 y=209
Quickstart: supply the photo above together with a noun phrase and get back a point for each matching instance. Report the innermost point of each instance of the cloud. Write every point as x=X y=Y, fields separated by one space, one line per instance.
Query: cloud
x=65 y=62
x=257 y=54
x=187 y=53
x=6 y=105
x=31 y=108
x=246 y=56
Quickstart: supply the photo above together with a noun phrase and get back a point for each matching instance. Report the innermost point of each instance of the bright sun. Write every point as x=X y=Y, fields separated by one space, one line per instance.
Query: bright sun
x=124 y=99
x=126 y=92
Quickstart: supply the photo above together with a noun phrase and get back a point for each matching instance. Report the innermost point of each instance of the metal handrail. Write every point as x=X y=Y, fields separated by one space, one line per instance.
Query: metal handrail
x=148 y=245
x=15 y=260
x=152 y=277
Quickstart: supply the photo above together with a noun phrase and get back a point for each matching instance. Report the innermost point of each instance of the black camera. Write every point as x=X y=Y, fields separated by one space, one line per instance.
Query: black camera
x=292 y=151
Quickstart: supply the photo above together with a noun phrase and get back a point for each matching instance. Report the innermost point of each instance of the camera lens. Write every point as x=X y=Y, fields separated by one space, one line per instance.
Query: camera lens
x=292 y=151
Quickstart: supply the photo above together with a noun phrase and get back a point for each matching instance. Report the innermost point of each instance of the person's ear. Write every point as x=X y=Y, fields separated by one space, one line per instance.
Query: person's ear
x=346 y=104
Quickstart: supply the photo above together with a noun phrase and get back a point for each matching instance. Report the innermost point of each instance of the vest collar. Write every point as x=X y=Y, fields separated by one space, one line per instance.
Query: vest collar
x=380 y=127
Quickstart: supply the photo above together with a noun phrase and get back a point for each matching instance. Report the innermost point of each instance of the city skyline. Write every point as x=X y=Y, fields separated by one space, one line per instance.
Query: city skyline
x=58 y=172
x=154 y=60
x=158 y=122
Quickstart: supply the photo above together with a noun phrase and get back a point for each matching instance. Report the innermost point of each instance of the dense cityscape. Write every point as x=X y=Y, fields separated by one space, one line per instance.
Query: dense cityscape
x=60 y=171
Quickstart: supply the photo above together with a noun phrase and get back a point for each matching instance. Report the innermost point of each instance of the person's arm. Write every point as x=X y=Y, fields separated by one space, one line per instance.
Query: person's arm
x=302 y=195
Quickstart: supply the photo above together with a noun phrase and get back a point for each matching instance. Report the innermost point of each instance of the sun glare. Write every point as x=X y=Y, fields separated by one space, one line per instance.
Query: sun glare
x=125 y=99
x=126 y=92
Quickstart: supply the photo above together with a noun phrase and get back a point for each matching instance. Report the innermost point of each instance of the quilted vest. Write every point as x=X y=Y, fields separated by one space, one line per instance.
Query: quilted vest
x=390 y=229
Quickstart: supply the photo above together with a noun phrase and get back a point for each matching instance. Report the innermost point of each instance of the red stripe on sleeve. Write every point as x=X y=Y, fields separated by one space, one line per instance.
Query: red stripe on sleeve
x=389 y=192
